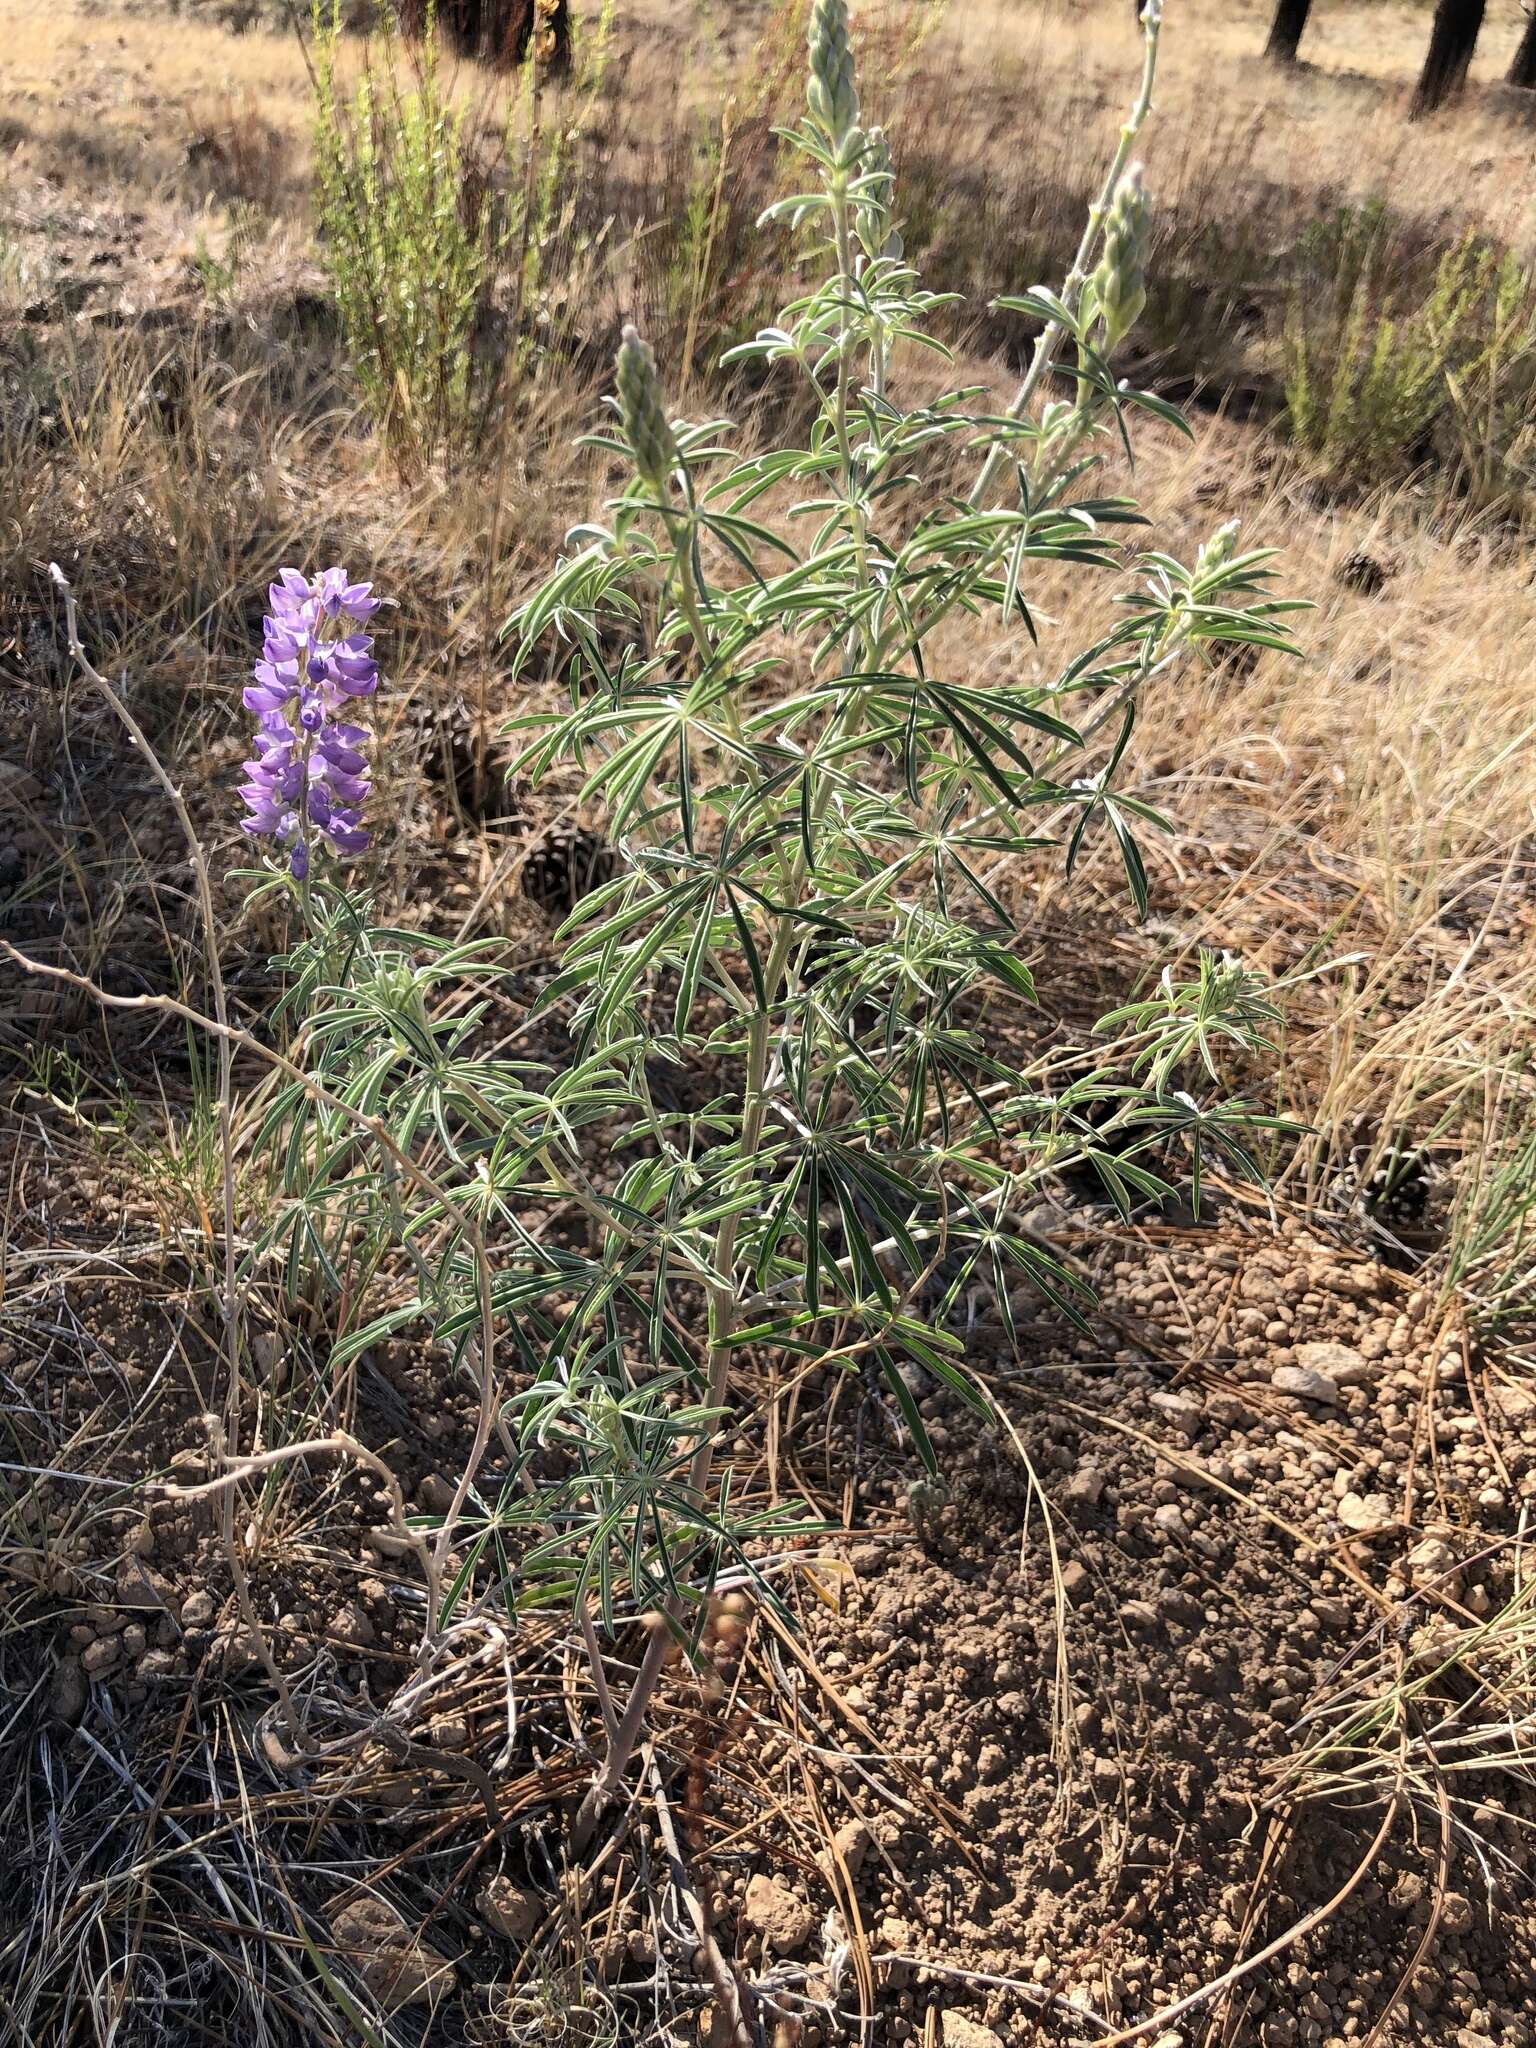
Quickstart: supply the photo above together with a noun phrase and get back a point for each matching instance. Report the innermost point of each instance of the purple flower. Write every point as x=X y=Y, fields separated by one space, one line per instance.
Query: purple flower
x=307 y=777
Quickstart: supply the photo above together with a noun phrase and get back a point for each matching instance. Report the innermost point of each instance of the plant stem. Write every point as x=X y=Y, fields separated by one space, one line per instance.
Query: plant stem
x=1053 y=334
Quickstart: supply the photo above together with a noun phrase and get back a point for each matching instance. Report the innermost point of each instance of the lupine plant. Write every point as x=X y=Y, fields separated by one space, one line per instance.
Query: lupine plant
x=787 y=1006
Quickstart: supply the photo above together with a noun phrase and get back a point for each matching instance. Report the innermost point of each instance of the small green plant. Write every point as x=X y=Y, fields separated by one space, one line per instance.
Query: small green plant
x=1490 y=420
x=1391 y=364
x=429 y=223
x=408 y=243
x=810 y=795
x=219 y=270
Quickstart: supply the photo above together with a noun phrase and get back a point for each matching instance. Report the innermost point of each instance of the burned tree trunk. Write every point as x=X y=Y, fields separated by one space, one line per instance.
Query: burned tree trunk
x=1523 y=70
x=1451 y=43
x=499 y=32
x=1287 y=29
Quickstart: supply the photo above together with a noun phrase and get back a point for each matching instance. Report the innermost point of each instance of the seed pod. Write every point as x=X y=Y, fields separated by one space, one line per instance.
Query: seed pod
x=644 y=416
x=831 y=95
x=1120 y=282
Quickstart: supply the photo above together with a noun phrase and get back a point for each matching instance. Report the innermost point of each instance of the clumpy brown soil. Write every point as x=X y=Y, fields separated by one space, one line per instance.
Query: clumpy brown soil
x=1030 y=1766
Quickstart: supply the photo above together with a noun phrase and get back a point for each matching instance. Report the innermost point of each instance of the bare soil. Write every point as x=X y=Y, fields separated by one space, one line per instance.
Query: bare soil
x=1033 y=1758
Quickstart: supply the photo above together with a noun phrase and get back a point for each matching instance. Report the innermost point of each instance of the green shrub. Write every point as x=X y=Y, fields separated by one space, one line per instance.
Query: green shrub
x=1491 y=1243
x=408 y=244
x=1395 y=358
x=454 y=247
x=1488 y=428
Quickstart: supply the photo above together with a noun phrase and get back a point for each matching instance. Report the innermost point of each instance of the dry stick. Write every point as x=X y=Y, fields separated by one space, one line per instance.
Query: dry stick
x=1442 y=1873
x=230 y=1432
x=339 y=1444
x=726 y=1984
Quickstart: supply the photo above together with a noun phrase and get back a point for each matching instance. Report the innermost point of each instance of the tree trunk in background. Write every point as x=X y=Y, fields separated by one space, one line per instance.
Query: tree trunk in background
x=1451 y=43
x=498 y=32
x=1523 y=70
x=1287 y=29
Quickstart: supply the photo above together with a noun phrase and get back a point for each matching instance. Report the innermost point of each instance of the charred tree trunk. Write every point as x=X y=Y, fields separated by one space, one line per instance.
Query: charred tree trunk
x=1523 y=70
x=1287 y=29
x=1451 y=43
x=499 y=32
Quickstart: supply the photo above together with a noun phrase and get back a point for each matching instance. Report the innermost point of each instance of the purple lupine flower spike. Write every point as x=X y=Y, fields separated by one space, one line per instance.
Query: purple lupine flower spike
x=307 y=779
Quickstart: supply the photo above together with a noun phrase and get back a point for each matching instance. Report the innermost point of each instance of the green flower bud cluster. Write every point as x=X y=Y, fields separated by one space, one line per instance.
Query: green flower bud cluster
x=877 y=227
x=1217 y=551
x=1120 y=282
x=644 y=415
x=832 y=95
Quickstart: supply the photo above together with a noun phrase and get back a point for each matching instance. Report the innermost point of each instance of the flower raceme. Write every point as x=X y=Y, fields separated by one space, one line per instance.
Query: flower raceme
x=307 y=778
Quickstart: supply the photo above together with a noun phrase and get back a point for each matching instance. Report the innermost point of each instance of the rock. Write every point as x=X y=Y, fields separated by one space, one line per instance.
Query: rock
x=66 y=1693
x=510 y=1910
x=772 y=1910
x=435 y=1494
x=1085 y=1489
x=1105 y=1773
x=1181 y=1411
x=1169 y=1518
x=141 y=1590
x=395 y=1967
x=349 y=1624
x=98 y=1658
x=1456 y=1914
x=1138 y=1614
x=1368 y=1514
x=959 y=2030
x=1076 y=1585
x=17 y=786
x=198 y=1609
x=156 y=1664
x=1431 y=1559
x=235 y=1649
x=1306 y=1382
x=1339 y=1362
x=1516 y=1403
x=853 y=1842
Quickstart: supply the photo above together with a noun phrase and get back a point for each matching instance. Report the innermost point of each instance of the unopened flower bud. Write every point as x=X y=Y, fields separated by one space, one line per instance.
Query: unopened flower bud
x=832 y=97
x=644 y=416
x=1218 y=549
x=879 y=196
x=1120 y=282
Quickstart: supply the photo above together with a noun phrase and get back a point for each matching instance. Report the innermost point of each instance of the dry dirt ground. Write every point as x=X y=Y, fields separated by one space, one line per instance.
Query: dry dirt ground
x=1191 y=1707
x=975 y=1791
